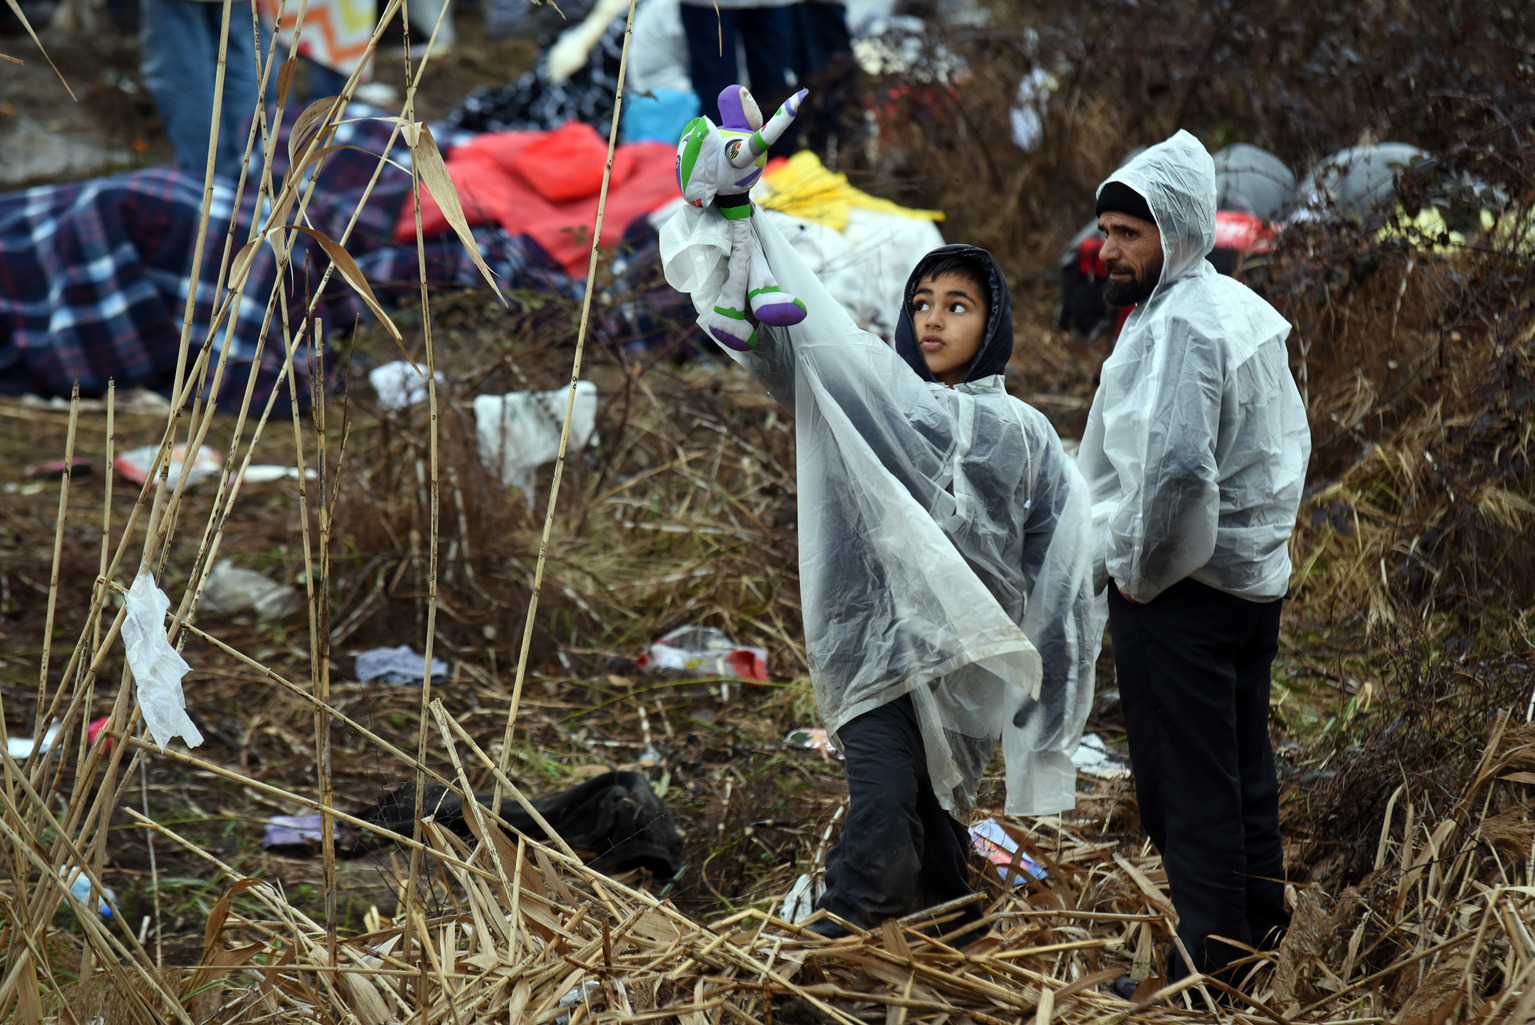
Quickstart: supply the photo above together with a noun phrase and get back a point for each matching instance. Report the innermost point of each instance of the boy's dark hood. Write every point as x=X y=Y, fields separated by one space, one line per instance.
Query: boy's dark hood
x=996 y=348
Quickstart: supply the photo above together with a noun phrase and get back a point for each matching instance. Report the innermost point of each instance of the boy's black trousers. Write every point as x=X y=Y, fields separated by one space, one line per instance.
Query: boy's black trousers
x=1193 y=669
x=899 y=851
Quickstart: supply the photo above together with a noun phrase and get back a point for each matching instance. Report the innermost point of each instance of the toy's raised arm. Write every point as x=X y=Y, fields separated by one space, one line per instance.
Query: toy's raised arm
x=744 y=152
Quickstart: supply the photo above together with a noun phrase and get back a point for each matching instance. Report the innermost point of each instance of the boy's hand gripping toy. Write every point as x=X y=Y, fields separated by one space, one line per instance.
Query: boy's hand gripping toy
x=719 y=165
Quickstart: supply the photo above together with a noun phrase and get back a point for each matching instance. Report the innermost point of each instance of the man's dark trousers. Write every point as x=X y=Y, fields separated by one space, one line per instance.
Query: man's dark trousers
x=1193 y=670
x=899 y=851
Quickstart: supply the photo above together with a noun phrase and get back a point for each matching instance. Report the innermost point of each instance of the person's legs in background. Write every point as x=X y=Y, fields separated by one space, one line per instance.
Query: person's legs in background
x=177 y=57
x=179 y=44
x=820 y=34
x=711 y=66
x=242 y=82
x=323 y=81
x=769 y=36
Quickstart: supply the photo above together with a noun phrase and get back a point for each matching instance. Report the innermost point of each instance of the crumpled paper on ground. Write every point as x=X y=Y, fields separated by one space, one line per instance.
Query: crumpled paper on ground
x=156 y=666
x=706 y=651
x=993 y=843
x=1094 y=758
x=229 y=589
x=295 y=831
x=398 y=665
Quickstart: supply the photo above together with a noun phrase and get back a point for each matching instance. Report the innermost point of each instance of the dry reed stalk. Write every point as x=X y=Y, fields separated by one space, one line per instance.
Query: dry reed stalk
x=570 y=401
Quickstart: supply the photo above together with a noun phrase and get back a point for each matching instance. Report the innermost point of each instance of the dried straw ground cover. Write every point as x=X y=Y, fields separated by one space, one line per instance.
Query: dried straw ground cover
x=1403 y=692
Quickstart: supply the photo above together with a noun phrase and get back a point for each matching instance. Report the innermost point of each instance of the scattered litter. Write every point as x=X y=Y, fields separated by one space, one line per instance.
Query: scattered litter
x=1026 y=116
x=1094 y=758
x=263 y=473
x=21 y=747
x=229 y=589
x=295 y=831
x=398 y=665
x=400 y=385
x=58 y=468
x=156 y=665
x=799 y=903
x=80 y=886
x=520 y=431
x=812 y=738
x=135 y=464
x=993 y=843
x=574 y=997
x=706 y=651
x=650 y=756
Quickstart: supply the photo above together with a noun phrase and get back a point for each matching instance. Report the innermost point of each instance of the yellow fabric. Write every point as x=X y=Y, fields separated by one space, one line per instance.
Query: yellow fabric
x=1429 y=233
x=803 y=187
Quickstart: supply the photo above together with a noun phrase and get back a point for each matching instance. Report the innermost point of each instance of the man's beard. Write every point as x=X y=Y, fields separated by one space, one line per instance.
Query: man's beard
x=1133 y=292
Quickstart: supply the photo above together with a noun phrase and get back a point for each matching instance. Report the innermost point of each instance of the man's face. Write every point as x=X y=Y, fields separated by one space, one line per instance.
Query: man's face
x=950 y=321
x=1132 y=251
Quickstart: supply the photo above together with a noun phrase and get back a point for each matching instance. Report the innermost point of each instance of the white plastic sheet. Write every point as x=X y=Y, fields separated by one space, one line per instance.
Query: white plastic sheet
x=520 y=431
x=230 y=589
x=157 y=667
x=917 y=571
x=1196 y=443
x=400 y=385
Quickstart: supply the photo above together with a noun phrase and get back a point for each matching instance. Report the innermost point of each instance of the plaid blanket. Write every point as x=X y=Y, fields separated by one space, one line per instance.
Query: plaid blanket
x=94 y=275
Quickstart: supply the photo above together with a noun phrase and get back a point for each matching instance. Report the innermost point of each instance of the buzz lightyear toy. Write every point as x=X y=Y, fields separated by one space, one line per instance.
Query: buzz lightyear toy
x=719 y=166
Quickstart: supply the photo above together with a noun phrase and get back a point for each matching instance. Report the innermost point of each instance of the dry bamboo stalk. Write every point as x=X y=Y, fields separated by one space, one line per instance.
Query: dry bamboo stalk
x=570 y=401
x=40 y=725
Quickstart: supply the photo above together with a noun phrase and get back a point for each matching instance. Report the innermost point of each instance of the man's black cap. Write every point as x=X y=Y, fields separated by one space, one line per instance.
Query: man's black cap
x=1117 y=197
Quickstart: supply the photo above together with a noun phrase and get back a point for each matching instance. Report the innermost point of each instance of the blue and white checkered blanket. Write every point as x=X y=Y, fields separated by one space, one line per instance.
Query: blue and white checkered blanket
x=94 y=275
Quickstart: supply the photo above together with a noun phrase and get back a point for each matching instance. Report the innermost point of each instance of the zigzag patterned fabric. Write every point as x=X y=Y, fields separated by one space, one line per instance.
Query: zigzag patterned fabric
x=336 y=32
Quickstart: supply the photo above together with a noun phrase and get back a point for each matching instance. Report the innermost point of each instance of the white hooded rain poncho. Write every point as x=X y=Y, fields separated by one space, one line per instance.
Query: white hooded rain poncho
x=1196 y=443
x=945 y=538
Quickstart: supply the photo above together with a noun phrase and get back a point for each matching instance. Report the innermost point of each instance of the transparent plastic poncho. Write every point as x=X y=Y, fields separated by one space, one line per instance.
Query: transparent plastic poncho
x=1197 y=441
x=945 y=540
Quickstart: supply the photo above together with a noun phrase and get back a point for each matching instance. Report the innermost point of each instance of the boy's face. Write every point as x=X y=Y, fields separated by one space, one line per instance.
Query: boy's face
x=950 y=322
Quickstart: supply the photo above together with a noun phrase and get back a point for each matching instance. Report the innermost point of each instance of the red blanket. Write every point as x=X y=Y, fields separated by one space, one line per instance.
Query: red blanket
x=545 y=185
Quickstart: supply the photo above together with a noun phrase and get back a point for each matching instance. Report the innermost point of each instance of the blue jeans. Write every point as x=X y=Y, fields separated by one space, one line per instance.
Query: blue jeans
x=768 y=35
x=179 y=47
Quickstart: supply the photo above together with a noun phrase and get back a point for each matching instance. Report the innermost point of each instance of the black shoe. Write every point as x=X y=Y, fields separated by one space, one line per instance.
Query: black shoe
x=1124 y=988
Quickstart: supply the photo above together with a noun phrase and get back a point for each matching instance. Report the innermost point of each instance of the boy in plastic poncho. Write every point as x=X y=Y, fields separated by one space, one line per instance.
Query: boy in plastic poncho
x=945 y=565
x=1196 y=449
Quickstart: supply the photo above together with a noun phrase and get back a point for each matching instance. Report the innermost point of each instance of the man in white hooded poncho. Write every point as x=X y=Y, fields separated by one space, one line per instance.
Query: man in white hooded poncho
x=945 y=571
x=1195 y=450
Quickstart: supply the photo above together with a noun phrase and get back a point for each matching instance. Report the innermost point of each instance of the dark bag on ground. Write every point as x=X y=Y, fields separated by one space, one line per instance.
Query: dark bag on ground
x=615 y=821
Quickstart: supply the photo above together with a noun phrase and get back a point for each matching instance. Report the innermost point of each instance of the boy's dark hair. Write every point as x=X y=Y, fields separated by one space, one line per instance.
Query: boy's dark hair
x=960 y=265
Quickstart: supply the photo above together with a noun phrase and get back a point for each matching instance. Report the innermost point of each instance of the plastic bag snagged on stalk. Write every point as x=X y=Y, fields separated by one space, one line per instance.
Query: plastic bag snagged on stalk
x=156 y=665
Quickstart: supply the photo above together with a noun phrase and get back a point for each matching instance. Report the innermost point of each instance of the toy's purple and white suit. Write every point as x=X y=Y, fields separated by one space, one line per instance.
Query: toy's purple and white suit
x=719 y=165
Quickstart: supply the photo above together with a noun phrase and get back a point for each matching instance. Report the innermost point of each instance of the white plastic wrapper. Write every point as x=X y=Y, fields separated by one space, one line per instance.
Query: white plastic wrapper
x=520 y=431
x=400 y=385
x=157 y=668
x=916 y=571
x=1196 y=443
